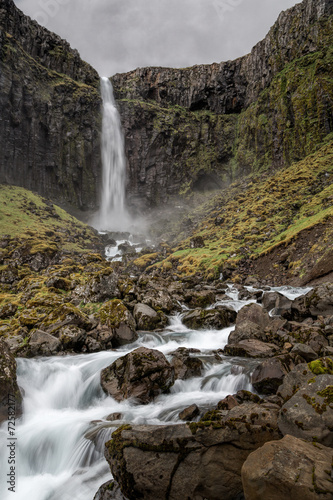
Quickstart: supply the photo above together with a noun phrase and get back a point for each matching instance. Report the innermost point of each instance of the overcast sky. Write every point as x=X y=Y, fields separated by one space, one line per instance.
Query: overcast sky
x=115 y=36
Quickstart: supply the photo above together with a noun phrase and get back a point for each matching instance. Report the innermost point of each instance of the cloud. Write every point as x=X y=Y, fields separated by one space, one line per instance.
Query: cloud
x=121 y=35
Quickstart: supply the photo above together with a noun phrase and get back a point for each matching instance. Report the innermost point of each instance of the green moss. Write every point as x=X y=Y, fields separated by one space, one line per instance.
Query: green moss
x=112 y=313
x=321 y=366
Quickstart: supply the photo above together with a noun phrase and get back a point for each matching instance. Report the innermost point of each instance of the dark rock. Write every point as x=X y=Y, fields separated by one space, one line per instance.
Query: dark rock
x=186 y=366
x=251 y=322
x=10 y=395
x=268 y=376
x=288 y=468
x=148 y=319
x=189 y=413
x=305 y=351
x=318 y=302
x=41 y=344
x=209 y=318
x=117 y=318
x=200 y=298
x=251 y=348
x=109 y=491
x=142 y=374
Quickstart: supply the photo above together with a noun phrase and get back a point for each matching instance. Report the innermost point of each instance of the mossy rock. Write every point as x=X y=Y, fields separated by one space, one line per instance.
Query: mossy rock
x=322 y=366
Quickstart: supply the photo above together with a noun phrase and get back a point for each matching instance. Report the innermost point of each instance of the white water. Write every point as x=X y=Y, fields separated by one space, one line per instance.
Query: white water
x=112 y=214
x=60 y=439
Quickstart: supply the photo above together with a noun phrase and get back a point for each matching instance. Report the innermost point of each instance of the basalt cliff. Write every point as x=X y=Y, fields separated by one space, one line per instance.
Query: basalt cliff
x=186 y=130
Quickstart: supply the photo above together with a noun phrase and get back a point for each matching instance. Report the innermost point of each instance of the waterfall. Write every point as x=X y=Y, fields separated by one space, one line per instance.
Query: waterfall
x=113 y=214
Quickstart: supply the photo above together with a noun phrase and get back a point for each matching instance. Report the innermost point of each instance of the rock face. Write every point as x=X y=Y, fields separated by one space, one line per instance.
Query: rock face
x=50 y=113
x=289 y=468
x=142 y=374
x=10 y=396
x=185 y=128
x=120 y=321
x=201 y=460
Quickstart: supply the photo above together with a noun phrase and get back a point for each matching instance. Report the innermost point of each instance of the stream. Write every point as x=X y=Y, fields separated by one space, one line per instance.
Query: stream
x=61 y=436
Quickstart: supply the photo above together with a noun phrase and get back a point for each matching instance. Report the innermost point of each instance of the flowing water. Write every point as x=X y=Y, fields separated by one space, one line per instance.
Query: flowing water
x=61 y=436
x=112 y=212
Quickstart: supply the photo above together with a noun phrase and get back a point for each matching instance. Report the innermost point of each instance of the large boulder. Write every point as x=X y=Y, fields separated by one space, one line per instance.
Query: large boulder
x=318 y=302
x=308 y=414
x=147 y=318
x=10 y=395
x=289 y=468
x=41 y=344
x=251 y=348
x=252 y=321
x=120 y=322
x=100 y=287
x=200 y=298
x=199 y=460
x=142 y=374
x=209 y=318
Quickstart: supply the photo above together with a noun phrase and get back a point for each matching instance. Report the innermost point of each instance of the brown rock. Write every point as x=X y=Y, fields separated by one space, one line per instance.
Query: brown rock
x=10 y=395
x=289 y=469
x=251 y=348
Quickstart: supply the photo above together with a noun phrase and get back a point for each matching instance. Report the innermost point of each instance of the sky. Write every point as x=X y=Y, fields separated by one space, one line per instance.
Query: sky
x=116 y=36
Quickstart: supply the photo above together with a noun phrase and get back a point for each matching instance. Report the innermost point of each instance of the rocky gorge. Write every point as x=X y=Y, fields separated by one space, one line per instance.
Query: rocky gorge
x=198 y=358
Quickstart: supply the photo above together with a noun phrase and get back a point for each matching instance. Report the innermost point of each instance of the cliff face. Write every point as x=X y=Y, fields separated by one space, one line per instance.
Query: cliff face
x=50 y=113
x=272 y=106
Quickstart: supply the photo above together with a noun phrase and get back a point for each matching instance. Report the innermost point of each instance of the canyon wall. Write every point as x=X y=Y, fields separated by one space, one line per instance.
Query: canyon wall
x=186 y=130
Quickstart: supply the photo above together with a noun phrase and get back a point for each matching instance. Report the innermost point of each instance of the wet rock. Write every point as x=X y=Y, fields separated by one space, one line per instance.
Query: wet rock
x=288 y=468
x=109 y=491
x=268 y=376
x=228 y=403
x=148 y=319
x=186 y=366
x=308 y=414
x=251 y=348
x=181 y=460
x=120 y=322
x=318 y=302
x=142 y=374
x=114 y=416
x=209 y=318
x=189 y=413
x=10 y=395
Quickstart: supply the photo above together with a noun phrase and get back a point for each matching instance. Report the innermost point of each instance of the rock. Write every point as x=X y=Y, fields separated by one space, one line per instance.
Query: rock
x=251 y=348
x=201 y=459
x=64 y=315
x=305 y=351
x=41 y=344
x=228 y=403
x=147 y=319
x=209 y=318
x=308 y=414
x=318 y=302
x=159 y=300
x=308 y=334
x=7 y=310
x=276 y=301
x=109 y=491
x=72 y=338
x=268 y=376
x=100 y=287
x=288 y=468
x=114 y=416
x=298 y=377
x=142 y=374
x=10 y=395
x=200 y=298
x=251 y=322
x=189 y=413
x=186 y=366
x=120 y=322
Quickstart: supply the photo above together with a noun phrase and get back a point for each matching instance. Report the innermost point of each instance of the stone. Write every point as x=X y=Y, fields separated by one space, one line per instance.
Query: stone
x=202 y=298
x=251 y=348
x=120 y=322
x=185 y=365
x=251 y=322
x=268 y=376
x=41 y=344
x=109 y=491
x=209 y=318
x=305 y=351
x=200 y=459
x=298 y=377
x=10 y=395
x=148 y=319
x=318 y=302
x=142 y=375
x=189 y=413
x=288 y=468
x=308 y=414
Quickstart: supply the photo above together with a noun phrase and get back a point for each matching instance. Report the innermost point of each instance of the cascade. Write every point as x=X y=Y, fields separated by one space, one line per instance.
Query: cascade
x=112 y=214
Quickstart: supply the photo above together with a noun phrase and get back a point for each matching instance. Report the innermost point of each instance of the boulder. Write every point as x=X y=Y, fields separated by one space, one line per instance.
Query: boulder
x=200 y=298
x=318 y=302
x=41 y=344
x=197 y=460
x=119 y=321
x=311 y=335
x=159 y=300
x=251 y=348
x=147 y=318
x=268 y=376
x=142 y=374
x=109 y=491
x=305 y=351
x=100 y=287
x=189 y=413
x=186 y=366
x=288 y=468
x=251 y=322
x=298 y=377
x=209 y=318
x=10 y=395
x=308 y=414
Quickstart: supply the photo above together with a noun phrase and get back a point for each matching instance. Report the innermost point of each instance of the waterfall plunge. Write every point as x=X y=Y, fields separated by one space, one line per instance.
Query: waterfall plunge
x=113 y=214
